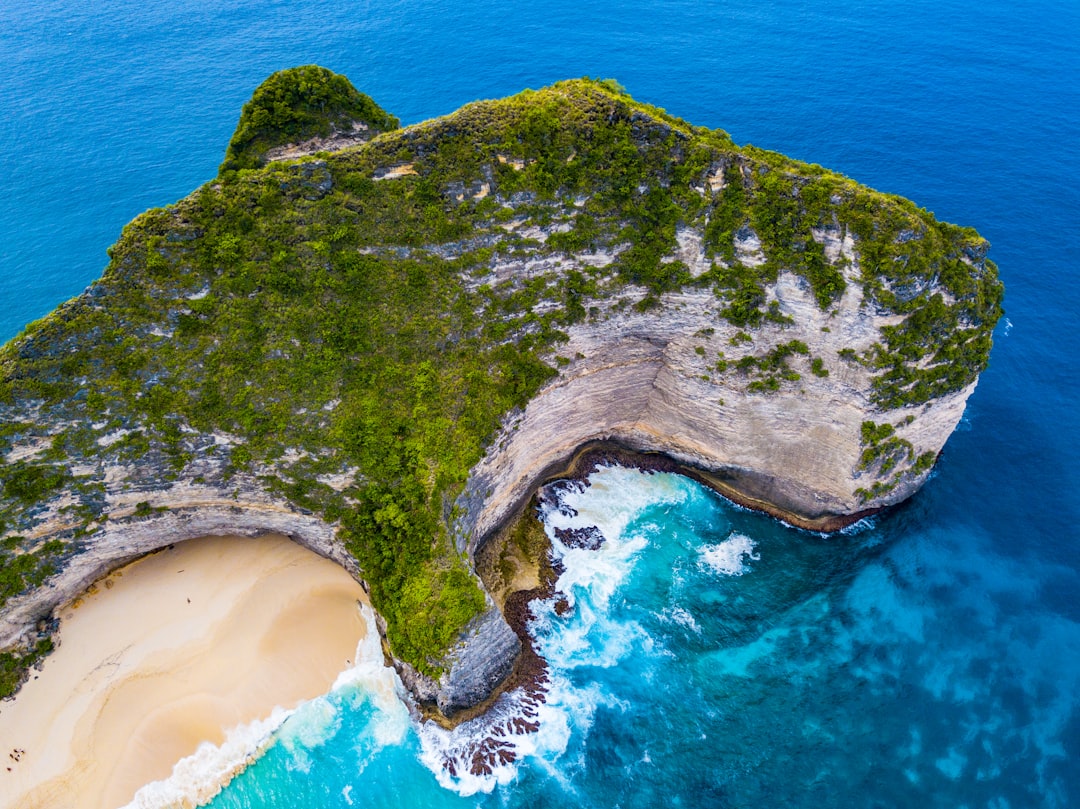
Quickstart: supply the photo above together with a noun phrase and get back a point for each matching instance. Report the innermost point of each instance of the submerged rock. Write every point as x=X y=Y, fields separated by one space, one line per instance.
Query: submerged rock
x=589 y=539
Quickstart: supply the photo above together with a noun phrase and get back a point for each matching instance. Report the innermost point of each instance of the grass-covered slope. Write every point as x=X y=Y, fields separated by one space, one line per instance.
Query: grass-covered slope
x=343 y=316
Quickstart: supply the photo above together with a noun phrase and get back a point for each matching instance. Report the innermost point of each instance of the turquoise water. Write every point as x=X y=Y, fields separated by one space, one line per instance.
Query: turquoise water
x=714 y=657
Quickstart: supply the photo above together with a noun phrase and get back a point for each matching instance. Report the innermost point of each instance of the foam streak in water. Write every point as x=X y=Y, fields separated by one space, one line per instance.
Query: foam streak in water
x=195 y=780
x=727 y=557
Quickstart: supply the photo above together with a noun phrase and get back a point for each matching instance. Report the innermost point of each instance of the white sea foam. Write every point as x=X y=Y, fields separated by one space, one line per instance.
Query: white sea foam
x=680 y=616
x=588 y=637
x=516 y=728
x=727 y=557
x=614 y=497
x=195 y=780
x=612 y=500
x=523 y=726
x=859 y=526
x=452 y=755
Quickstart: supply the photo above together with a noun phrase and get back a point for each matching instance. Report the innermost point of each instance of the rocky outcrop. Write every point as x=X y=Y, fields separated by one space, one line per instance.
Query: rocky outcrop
x=477 y=665
x=383 y=352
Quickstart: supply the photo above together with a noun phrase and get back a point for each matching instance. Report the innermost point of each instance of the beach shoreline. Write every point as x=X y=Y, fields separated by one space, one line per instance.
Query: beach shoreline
x=171 y=652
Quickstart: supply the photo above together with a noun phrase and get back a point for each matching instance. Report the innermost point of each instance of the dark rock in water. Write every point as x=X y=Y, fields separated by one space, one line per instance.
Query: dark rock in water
x=551 y=496
x=588 y=538
x=489 y=754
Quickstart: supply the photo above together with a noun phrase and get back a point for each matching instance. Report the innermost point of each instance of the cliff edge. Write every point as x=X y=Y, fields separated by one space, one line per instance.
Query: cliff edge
x=380 y=341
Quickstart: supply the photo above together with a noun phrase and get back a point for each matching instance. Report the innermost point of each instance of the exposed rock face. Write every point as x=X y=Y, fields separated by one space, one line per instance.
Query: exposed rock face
x=648 y=381
x=480 y=661
x=475 y=667
x=357 y=133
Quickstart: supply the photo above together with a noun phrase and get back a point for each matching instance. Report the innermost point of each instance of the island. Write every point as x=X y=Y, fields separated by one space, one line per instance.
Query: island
x=381 y=341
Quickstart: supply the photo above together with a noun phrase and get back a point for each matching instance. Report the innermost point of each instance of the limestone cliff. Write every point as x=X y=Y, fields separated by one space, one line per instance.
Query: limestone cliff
x=649 y=382
x=383 y=347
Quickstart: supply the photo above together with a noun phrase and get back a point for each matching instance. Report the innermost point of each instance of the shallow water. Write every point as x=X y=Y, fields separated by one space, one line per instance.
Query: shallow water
x=931 y=658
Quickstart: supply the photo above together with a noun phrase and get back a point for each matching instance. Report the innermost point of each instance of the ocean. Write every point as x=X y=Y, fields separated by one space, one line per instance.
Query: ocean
x=712 y=657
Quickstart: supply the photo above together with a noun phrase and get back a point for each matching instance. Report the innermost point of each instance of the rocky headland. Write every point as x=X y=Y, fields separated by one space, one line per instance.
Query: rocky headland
x=380 y=342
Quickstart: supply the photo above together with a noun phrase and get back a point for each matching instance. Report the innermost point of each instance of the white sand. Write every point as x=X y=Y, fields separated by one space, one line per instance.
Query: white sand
x=170 y=652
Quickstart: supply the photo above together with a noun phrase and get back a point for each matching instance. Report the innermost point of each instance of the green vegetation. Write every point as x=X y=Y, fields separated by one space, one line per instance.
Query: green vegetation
x=743 y=290
x=952 y=341
x=883 y=447
x=872 y=434
x=889 y=457
x=295 y=105
x=781 y=206
x=924 y=463
x=933 y=273
x=772 y=367
x=15 y=665
x=20 y=568
x=32 y=482
x=333 y=330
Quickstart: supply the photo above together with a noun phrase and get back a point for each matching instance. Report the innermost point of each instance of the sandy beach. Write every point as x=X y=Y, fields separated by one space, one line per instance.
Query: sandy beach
x=174 y=650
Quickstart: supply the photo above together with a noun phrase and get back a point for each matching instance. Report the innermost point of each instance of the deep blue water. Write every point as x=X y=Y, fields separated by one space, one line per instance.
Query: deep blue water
x=931 y=659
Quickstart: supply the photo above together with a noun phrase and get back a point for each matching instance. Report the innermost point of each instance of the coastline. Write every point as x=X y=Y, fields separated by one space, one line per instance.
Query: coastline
x=170 y=652
x=592 y=455
x=596 y=453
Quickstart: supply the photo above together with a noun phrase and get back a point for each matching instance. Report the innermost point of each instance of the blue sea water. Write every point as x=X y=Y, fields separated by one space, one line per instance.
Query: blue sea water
x=713 y=656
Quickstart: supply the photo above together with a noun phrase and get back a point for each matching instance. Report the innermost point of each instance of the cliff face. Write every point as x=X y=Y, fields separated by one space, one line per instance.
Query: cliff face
x=649 y=381
x=237 y=506
x=383 y=351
